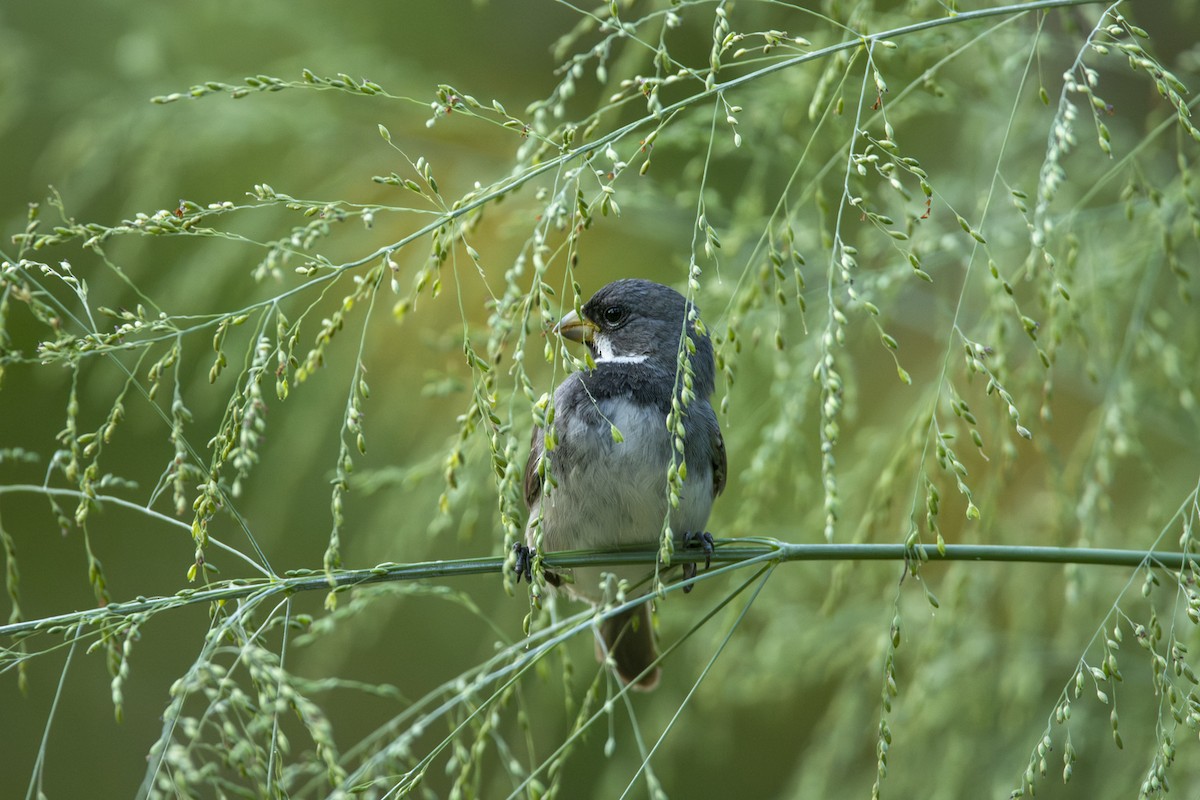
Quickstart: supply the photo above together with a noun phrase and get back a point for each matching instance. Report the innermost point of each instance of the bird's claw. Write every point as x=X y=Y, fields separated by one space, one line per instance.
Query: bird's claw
x=704 y=541
x=523 y=562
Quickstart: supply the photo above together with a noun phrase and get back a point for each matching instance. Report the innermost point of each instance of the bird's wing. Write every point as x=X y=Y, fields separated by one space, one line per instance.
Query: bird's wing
x=533 y=481
x=719 y=464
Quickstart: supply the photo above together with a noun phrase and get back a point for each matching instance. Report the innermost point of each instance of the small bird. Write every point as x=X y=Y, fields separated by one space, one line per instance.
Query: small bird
x=613 y=451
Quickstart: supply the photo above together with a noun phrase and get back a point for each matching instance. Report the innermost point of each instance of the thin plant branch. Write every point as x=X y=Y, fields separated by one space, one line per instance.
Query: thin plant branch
x=729 y=552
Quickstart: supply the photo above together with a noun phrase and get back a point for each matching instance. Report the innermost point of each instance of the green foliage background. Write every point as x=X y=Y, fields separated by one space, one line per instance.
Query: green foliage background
x=292 y=324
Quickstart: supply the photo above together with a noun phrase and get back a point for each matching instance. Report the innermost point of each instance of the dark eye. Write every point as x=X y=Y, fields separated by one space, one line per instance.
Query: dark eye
x=613 y=315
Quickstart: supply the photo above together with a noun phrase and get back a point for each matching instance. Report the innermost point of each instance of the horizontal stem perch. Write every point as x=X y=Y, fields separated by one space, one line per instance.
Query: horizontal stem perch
x=962 y=552
x=728 y=551
x=737 y=551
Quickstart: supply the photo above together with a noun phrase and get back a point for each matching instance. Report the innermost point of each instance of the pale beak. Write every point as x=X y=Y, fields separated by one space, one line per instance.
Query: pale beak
x=575 y=328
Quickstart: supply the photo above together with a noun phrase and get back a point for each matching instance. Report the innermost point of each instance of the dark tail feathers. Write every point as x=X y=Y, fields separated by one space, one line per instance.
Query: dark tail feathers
x=629 y=638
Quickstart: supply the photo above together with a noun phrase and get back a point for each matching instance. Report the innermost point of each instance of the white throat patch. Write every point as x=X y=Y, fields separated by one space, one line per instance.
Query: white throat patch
x=606 y=355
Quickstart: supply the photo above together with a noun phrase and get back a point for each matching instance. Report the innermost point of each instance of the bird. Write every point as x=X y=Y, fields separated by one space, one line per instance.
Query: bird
x=612 y=451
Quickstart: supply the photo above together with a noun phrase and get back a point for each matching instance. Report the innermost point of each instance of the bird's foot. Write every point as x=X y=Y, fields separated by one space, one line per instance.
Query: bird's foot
x=523 y=562
x=702 y=540
x=523 y=557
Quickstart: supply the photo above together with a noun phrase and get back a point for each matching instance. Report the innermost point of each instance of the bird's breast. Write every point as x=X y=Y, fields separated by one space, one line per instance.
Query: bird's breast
x=612 y=489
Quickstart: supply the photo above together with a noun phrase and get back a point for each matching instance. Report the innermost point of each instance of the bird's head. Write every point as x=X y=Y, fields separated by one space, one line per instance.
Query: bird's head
x=636 y=321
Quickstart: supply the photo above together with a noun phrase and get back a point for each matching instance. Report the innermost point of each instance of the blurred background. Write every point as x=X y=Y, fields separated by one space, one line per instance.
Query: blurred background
x=793 y=705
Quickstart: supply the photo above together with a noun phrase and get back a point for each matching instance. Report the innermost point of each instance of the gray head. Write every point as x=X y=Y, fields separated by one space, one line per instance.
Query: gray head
x=636 y=321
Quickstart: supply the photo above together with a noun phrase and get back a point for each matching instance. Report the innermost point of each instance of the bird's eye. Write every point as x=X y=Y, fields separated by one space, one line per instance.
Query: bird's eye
x=613 y=315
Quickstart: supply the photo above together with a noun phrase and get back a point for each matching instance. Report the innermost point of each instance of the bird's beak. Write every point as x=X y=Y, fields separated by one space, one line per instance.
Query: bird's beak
x=575 y=328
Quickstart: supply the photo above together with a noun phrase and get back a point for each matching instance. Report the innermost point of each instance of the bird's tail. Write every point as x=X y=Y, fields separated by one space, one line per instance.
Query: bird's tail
x=628 y=639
